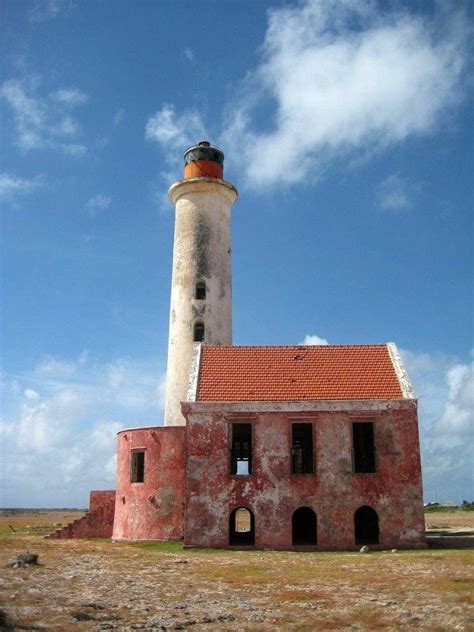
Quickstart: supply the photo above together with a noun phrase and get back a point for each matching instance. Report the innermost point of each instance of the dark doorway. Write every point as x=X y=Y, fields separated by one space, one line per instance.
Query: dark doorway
x=304 y=526
x=366 y=526
x=241 y=527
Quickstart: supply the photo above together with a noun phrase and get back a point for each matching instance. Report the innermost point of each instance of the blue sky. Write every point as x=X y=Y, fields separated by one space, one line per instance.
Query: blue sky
x=347 y=128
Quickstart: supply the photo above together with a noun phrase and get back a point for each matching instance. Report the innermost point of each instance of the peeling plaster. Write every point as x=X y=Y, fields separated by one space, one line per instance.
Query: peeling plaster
x=194 y=373
x=333 y=492
x=201 y=251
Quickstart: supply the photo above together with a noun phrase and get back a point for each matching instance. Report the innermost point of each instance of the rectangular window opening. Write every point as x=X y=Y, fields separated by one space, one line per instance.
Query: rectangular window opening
x=302 y=448
x=137 y=469
x=363 y=447
x=241 y=450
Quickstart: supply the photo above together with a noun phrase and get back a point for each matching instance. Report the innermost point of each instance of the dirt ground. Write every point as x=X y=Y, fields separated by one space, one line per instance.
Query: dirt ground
x=99 y=585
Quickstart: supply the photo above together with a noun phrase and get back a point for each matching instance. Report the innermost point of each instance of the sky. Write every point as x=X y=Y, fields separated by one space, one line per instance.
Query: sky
x=347 y=129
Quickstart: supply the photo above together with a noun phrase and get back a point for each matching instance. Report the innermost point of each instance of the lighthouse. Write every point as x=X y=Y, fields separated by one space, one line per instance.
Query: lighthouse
x=201 y=285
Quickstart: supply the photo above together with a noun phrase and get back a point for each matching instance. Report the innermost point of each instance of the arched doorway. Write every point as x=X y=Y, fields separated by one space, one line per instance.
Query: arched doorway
x=366 y=526
x=304 y=526
x=241 y=527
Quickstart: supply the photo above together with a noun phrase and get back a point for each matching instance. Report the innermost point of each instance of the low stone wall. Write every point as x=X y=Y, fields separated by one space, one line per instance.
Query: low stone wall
x=98 y=522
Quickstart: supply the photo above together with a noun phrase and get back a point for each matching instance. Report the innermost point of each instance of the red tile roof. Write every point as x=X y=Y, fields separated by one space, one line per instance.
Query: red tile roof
x=237 y=374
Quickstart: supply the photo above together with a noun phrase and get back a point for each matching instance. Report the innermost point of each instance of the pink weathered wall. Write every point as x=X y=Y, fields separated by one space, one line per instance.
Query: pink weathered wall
x=99 y=498
x=96 y=523
x=333 y=492
x=152 y=510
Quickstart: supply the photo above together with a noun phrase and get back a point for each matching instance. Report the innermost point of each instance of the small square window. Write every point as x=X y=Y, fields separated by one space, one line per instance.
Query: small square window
x=199 y=332
x=200 y=293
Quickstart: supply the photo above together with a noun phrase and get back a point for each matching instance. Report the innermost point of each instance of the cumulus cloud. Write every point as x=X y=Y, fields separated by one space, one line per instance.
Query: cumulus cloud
x=44 y=122
x=312 y=339
x=98 y=203
x=343 y=78
x=457 y=419
x=445 y=389
x=13 y=186
x=335 y=80
x=62 y=444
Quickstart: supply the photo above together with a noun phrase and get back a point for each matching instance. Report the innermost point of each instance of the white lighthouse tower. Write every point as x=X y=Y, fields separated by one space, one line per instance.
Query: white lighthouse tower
x=201 y=286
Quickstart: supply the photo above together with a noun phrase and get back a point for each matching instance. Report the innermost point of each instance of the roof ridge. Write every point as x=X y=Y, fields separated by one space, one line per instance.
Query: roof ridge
x=338 y=346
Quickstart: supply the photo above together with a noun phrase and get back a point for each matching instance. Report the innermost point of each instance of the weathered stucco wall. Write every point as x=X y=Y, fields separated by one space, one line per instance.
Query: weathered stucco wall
x=334 y=492
x=99 y=498
x=153 y=509
x=96 y=523
x=201 y=252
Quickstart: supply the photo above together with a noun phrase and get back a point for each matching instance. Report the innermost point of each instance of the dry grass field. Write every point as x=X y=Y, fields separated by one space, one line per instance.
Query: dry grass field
x=99 y=585
x=460 y=520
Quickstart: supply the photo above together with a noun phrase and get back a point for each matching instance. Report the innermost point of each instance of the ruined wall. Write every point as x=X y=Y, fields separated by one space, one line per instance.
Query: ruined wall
x=96 y=523
x=334 y=492
x=153 y=509
x=201 y=252
x=99 y=498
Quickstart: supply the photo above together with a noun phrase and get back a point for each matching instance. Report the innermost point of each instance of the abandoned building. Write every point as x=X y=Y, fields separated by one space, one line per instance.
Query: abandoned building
x=275 y=447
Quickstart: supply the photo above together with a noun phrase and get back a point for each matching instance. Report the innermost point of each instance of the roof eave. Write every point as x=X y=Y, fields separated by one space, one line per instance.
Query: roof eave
x=353 y=406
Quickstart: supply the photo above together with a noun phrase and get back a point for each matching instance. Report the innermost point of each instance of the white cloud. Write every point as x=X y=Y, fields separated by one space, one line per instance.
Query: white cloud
x=174 y=132
x=445 y=388
x=312 y=339
x=70 y=96
x=13 y=186
x=396 y=194
x=98 y=203
x=62 y=444
x=44 y=122
x=457 y=419
x=342 y=79
x=31 y=393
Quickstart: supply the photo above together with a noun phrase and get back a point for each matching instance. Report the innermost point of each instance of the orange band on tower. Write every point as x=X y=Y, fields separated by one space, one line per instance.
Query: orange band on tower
x=203 y=168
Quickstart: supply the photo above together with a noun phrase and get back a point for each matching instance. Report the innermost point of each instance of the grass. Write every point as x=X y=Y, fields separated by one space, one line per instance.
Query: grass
x=138 y=583
x=444 y=509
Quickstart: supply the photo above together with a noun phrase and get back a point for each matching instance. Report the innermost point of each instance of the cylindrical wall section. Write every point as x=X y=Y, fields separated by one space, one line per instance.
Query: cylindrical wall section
x=150 y=508
x=202 y=253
